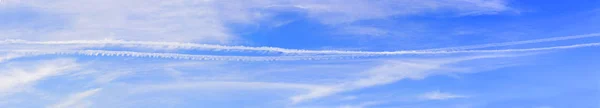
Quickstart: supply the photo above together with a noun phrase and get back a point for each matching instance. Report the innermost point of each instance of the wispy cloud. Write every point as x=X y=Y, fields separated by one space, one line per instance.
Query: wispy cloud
x=362 y=105
x=77 y=100
x=221 y=85
x=180 y=20
x=522 y=42
x=393 y=71
x=9 y=56
x=110 y=76
x=177 y=49
x=344 y=11
x=140 y=19
x=17 y=76
x=312 y=89
x=437 y=95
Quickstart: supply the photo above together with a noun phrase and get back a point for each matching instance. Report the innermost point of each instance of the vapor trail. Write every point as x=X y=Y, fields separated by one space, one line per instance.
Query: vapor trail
x=529 y=49
x=269 y=58
x=484 y=51
x=174 y=55
x=151 y=44
x=178 y=45
x=520 y=42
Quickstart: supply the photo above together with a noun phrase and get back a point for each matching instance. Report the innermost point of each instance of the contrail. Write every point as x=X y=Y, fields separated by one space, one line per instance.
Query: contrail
x=520 y=42
x=178 y=45
x=268 y=58
x=150 y=44
x=528 y=49
x=175 y=55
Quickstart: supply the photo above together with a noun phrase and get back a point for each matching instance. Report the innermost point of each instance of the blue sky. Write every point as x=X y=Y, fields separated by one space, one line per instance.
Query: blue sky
x=300 y=53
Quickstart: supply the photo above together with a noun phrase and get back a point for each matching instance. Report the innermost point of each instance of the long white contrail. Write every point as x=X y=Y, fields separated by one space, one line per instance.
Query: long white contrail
x=151 y=44
x=493 y=51
x=265 y=58
x=178 y=45
x=520 y=42
x=528 y=49
x=174 y=55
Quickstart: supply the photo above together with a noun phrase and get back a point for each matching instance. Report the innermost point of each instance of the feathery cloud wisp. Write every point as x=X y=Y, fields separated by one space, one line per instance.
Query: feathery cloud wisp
x=16 y=77
x=180 y=20
x=390 y=72
x=221 y=85
x=77 y=100
x=437 y=95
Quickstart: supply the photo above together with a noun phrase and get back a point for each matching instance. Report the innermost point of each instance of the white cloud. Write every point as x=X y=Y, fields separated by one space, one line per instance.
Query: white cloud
x=562 y=38
x=315 y=93
x=17 y=76
x=76 y=100
x=362 y=104
x=393 y=71
x=110 y=76
x=9 y=56
x=437 y=95
x=175 y=45
x=386 y=73
x=344 y=11
x=222 y=85
x=173 y=20
x=208 y=20
x=343 y=14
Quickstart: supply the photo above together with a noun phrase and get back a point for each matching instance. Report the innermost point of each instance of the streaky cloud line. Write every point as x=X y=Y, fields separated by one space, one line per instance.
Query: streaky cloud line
x=9 y=57
x=520 y=42
x=529 y=49
x=25 y=53
x=154 y=44
x=224 y=84
x=179 y=45
x=263 y=58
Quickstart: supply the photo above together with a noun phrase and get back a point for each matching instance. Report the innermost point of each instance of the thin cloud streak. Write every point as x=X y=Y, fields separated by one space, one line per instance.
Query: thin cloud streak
x=188 y=46
x=273 y=58
x=529 y=49
x=76 y=100
x=173 y=55
x=521 y=42
x=437 y=95
x=16 y=77
x=9 y=57
x=391 y=72
x=129 y=53
x=230 y=85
